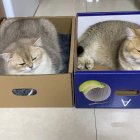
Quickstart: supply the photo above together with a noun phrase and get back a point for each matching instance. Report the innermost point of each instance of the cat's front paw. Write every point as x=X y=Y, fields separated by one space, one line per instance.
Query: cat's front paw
x=81 y=63
x=89 y=63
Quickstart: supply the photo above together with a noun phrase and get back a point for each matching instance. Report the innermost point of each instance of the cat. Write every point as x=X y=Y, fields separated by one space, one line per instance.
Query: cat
x=115 y=44
x=30 y=46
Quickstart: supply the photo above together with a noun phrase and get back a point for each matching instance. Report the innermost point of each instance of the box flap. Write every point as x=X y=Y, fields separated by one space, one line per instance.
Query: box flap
x=72 y=47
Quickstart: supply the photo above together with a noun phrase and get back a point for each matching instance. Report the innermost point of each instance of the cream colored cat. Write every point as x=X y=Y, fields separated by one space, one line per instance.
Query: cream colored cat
x=26 y=56
x=115 y=44
x=29 y=46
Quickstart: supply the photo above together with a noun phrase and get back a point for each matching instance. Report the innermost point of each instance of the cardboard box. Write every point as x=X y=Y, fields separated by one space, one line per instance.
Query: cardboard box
x=2 y=12
x=52 y=90
x=122 y=87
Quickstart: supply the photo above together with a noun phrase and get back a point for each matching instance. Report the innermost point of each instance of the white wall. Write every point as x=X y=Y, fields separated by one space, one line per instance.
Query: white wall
x=16 y=8
x=85 y=21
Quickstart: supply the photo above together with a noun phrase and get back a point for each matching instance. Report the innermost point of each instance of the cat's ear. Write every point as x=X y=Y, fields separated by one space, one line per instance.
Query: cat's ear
x=38 y=42
x=131 y=33
x=5 y=56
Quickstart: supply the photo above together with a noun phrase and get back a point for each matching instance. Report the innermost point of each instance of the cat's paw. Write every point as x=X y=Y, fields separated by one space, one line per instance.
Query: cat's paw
x=89 y=63
x=81 y=63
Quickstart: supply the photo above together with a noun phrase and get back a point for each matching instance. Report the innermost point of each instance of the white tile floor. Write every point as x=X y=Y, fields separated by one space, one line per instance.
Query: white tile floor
x=71 y=7
x=61 y=8
x=118 y=124
x=47 y=124
x=70 y=123
x=111 y=5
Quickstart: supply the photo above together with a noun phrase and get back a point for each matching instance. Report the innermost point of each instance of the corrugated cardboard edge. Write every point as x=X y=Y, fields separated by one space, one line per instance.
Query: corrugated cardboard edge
x=2 y=12
x=72 y=48
x=75 y=42
x=72 y=56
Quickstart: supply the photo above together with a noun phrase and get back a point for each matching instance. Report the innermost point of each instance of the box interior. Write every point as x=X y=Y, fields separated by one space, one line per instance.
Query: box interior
x=85 y=20
x=2 y=13
x=64 y=25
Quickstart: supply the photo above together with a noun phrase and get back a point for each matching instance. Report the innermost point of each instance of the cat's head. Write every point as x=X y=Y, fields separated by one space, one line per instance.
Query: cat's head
x=132 y=44
x=23 y=56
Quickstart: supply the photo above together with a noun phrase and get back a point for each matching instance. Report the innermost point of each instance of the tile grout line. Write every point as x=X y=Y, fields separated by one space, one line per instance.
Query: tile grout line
x=96 y=133
x=37 y=8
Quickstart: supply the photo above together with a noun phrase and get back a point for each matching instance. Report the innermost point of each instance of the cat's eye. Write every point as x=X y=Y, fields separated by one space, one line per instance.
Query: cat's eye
x=34 y=58
x=138 y=51
x=22 y=64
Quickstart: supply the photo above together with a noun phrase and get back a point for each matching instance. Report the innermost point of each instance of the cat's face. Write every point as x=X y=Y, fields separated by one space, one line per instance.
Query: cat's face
x=132 y=45
x=24 y=56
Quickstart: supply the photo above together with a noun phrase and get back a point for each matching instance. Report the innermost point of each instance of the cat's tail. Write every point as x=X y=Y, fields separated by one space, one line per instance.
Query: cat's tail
x=80 y=50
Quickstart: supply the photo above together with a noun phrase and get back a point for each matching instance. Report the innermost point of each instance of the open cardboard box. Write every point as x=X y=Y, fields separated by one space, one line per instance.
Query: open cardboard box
x=52 y=90
x=122 y=87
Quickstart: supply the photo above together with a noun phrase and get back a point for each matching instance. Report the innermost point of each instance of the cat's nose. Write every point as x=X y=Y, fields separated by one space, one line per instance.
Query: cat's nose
x=31 y=66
